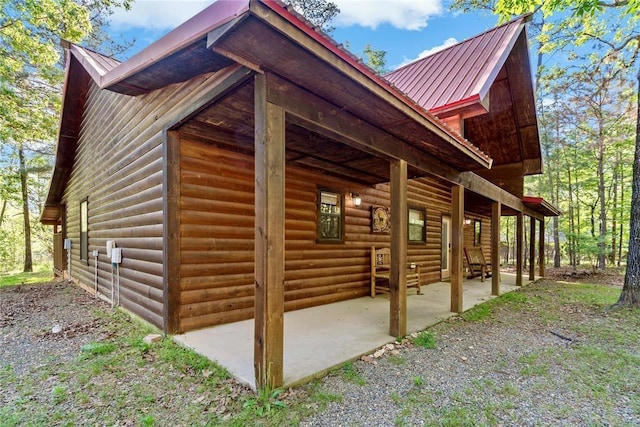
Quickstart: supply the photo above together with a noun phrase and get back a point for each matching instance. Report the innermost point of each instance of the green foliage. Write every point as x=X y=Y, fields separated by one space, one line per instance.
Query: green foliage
x=98 y=348
x=350 y=373
x=265 y=402
x=58 y=394
x=319 y=12
x=477 y=313
x=187 y=360
x=376 y=59
x=426 y=339
x=41 y=273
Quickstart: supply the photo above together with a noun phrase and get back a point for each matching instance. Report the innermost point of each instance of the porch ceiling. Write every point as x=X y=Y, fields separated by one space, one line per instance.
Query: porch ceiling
x=229 y=124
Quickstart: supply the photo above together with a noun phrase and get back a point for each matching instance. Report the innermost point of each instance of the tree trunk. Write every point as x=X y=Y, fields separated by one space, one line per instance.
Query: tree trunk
x=621 y=226
x=4 y=209
x=28 y=262
x=615 y=213
x=630 y=296
x=602 y=259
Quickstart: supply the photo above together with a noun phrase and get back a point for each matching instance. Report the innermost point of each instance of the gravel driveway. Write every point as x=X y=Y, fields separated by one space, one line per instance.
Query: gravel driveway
x=540 y=359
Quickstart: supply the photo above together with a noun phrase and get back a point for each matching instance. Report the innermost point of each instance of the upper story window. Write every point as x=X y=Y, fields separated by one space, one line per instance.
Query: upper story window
x=417 y=225
x=84 y=229
x=330 y=216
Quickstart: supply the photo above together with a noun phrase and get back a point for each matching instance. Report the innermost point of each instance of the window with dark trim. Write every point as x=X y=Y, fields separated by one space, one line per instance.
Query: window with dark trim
x=417 y=225
x=330 y=216
x=477 y=232
x=84 y=229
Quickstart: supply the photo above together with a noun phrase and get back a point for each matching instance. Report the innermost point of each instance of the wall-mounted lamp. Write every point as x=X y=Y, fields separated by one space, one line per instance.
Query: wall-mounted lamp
x=357 y=201
x=467 y=221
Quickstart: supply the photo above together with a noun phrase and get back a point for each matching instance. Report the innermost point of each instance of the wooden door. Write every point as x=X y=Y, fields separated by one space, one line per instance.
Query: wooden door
x=446 y=248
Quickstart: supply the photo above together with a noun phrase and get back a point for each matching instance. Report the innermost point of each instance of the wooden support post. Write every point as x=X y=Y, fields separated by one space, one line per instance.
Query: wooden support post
x=457 y=243
x=541 y=249
x=496 y=212
x=519 y=247
x=171 y=225
x=532 y=248
x=399 y=230
x=269 y=238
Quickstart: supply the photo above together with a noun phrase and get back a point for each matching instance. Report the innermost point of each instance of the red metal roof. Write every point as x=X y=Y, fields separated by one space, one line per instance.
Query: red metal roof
x=461 y=74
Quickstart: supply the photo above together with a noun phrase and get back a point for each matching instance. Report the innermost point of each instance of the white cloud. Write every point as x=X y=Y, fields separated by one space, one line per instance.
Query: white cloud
x=448 y=42
x=402 y=14
x=157 y=14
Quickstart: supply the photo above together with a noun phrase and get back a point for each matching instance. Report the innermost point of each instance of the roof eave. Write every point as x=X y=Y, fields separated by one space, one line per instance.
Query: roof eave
x=184 y=35
x=447 y=134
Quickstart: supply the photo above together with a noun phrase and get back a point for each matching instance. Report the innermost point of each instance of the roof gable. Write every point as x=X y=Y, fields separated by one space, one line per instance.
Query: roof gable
x=461 y=74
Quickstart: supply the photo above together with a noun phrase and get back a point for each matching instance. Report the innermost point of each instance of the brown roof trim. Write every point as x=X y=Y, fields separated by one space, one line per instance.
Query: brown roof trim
x=446 y=132
x=540 y=205
x=184 y=35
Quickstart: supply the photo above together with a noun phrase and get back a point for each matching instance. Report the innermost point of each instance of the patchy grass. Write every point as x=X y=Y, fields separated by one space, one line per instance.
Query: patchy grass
x=425 y=339
x=41 y=274
x=482 y=312
x=351 y=374
x=114 y=378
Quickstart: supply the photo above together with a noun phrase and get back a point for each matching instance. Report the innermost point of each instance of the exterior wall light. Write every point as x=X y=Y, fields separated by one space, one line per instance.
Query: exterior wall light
x=357 y=201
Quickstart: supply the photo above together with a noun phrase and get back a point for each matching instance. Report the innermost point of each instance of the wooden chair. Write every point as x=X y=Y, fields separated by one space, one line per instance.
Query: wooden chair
x=476 y=264
x=381 y=270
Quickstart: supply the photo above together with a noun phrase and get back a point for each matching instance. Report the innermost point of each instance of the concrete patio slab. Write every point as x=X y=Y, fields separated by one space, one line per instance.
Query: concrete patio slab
x=320 y=338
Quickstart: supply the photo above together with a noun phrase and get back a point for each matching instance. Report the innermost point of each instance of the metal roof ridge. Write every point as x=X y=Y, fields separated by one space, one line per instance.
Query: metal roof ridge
x=525 y=18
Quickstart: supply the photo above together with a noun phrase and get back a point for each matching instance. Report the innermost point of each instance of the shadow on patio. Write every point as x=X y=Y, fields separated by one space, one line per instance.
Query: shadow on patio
x=319 y=338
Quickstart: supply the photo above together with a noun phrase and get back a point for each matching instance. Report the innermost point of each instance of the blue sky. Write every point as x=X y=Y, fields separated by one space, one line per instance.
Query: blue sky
x=405 y=29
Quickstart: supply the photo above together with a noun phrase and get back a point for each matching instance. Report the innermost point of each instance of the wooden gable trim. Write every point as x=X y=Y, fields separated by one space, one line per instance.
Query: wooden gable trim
x=373 y=83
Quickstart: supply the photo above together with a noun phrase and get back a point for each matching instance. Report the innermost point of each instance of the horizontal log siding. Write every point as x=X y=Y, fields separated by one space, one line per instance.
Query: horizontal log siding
x=217 y=220
x=485 y=236
x=119 y=167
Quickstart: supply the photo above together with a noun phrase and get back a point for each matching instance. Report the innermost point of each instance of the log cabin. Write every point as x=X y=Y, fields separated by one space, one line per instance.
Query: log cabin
x=244 y=164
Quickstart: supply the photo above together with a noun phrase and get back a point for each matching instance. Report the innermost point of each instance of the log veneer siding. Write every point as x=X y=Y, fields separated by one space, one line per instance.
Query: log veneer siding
x=217 y=231
x=119 y=166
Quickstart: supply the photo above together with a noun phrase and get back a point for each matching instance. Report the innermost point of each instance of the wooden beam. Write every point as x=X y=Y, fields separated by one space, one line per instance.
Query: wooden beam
x=171 y=232
x=541 y=248
x=457 y=242
x=229 y=79
x=496 y=213
x=532 y=248
x=486 y=188
x=269 y=238
x=374 y=84
x=399 y=230
x=310 y=111
x=519 y=247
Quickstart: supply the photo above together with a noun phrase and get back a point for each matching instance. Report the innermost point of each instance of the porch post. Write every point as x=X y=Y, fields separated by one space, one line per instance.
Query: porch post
x=541 y=249
x=171 y=232
x=457 y=242
x=532 y=248
x=519 y=247
x=496 y=212
x=399 y=230
x=269 y=238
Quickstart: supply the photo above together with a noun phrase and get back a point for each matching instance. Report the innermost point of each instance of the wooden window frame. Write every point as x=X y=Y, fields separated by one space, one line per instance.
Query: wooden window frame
x=84 y=239
x=423 y=211
x=319 y=215
x=477 y=232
